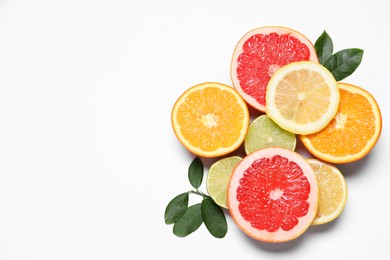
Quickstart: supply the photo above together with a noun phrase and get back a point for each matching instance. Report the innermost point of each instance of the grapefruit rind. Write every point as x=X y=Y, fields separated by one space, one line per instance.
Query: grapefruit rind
x=280 y=235
x=264 y=30
x=370 y=144
x=312 y=127
x=221 y=150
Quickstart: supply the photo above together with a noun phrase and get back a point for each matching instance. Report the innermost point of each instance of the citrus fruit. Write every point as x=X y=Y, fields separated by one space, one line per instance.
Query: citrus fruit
x=302 y=97
x=273 y=195
x=352 y=133
x=259 y=53
x=218 y=179
x=333 y=191
x=210 y=119
x=263 y=132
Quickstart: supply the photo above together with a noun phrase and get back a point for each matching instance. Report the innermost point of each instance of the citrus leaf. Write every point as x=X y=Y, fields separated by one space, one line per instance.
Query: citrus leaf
x=195 y=173
x=344 y=63
x=191 y=221
x=324 y=47
x=176 y=208
x=214 y=218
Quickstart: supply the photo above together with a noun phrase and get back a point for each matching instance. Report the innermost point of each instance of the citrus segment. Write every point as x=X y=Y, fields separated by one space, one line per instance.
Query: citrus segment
x=263 y=132
x=260 y=53
x=273 y=195
x=218 y=179
x=302 y=97
x=333 y=191
x=354 y=130
x=210 y=119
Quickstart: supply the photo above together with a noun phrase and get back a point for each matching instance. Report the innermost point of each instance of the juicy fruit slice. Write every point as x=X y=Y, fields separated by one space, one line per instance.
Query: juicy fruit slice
x=333 y=191
x=302 y=97
x=273 y=195
x=263 y=132
x=260 y=53
x=353 y=132
x=210 y=119
x=218 y=179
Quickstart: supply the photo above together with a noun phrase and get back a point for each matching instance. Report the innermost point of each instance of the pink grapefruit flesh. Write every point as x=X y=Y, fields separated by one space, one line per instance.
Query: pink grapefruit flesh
x=273 y=195
x=260 y=53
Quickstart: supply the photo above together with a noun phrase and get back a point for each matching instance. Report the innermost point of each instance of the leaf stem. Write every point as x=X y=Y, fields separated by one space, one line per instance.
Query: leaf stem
x=198 y=192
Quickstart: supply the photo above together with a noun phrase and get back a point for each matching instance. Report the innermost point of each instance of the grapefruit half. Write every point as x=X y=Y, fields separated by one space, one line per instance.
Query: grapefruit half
x=260 y=53
x=273 y=195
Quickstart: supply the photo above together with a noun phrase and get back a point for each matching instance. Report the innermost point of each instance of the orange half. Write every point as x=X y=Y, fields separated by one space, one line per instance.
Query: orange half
x=210 y=119
x=352 y=133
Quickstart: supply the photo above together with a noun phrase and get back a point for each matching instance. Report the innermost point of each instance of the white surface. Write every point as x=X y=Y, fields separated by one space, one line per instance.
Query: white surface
x=88 y=159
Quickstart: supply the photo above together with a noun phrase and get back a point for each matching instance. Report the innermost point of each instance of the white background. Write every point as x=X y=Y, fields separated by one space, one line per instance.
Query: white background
x=88 y=159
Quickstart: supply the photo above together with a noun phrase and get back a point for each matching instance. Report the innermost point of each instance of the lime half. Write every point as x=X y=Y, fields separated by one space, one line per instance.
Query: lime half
x=263 y=132
x=218 y=179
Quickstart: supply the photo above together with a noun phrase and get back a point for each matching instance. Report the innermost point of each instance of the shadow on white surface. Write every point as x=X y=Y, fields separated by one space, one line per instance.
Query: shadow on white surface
x=275 y=247
x=292 y=245
x=353 y=169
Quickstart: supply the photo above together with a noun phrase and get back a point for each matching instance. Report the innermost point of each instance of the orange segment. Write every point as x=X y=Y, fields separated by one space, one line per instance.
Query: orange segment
x=352 y=133
x=210 y=119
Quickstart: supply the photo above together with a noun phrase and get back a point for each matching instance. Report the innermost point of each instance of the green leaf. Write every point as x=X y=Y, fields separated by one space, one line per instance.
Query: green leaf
x=176 y=208
x=190 y=222
x=344 y=63
x=324 y=47
x=214 y=218
x=195 y=173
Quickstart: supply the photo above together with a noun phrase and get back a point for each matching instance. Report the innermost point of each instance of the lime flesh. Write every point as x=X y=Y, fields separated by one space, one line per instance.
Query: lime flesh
x=218 y=179
x=263 y=132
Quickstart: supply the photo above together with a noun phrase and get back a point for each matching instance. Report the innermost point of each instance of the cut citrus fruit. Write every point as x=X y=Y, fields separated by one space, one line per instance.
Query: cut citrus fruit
x=302 y=97
x=352 y=133
x=260 y=53
x=273 y=195
x=210 y=119
x=218 y=178
x=333 y=191
x=263 y=132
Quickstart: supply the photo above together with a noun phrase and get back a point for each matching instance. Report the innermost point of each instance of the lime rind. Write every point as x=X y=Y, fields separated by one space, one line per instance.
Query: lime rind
x=218 y=179
x=263 y=133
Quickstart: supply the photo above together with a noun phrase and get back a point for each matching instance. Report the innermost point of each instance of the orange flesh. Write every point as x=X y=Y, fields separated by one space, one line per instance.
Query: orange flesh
x=211 y=118
x=351 y=129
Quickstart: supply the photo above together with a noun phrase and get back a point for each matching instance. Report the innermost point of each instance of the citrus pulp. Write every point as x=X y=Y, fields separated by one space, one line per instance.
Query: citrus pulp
x=210 y=119
x=260 y=53
x=273 y=195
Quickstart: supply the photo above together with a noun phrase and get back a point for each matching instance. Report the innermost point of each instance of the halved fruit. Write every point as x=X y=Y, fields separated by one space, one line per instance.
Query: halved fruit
x=260 y=53
x=218 y=179
x=333 y=191
x=263 y=132
x=352 y=133
x=210 y=119
x=273 y=195
x=302 y=97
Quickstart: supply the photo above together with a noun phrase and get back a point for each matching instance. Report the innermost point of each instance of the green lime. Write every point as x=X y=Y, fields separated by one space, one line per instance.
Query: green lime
x=218 y=178
x=263 y=132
